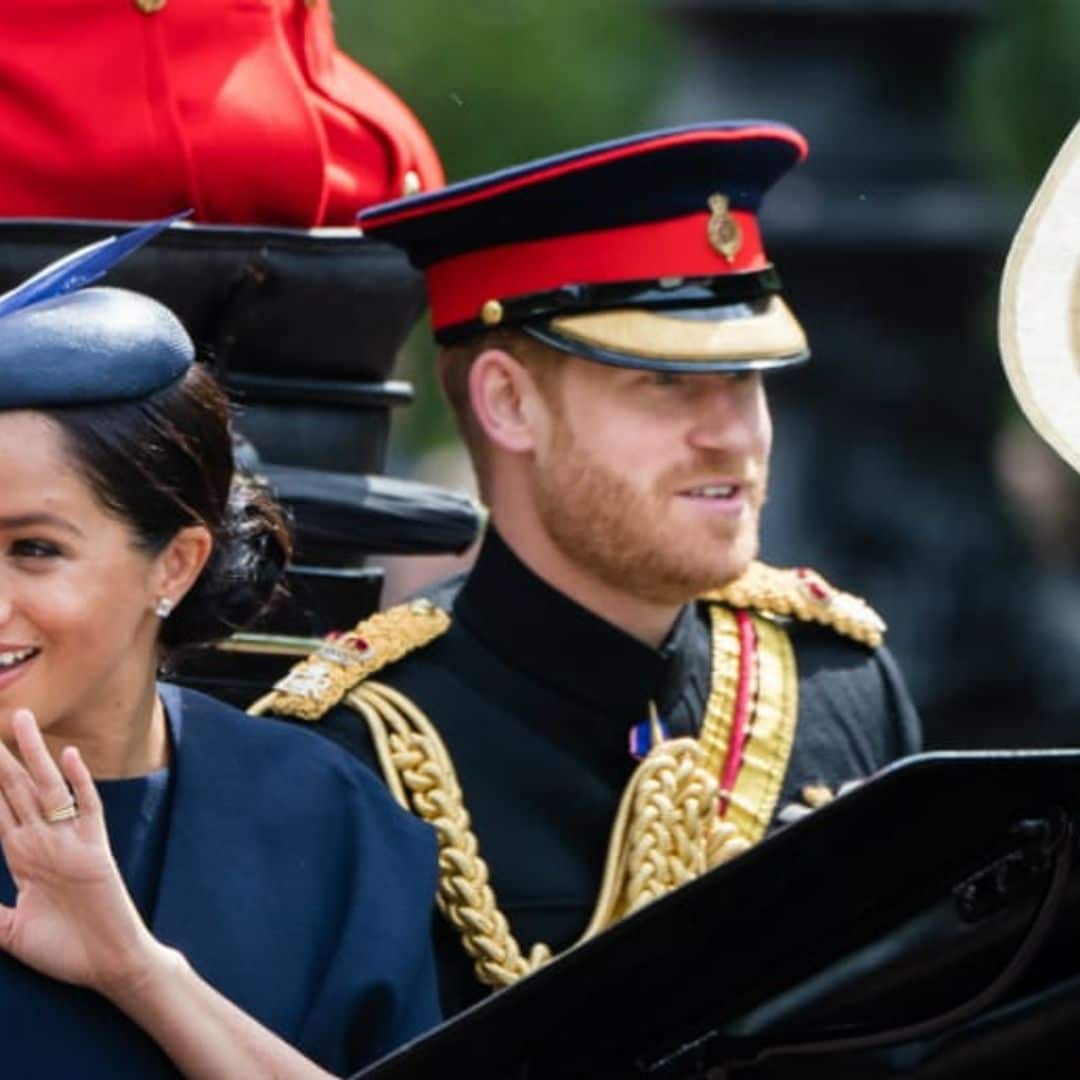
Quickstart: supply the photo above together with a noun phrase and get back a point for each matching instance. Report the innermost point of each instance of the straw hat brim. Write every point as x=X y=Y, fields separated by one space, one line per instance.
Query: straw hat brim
x=1039 y=314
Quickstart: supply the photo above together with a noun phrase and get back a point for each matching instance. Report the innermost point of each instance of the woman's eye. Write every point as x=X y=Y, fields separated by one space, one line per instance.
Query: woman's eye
x=34 y=549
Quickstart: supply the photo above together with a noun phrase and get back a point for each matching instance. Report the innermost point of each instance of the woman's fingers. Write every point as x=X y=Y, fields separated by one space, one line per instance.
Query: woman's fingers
x=82 y=783
x=52 y=790
x=7 y=817
x=17 y=788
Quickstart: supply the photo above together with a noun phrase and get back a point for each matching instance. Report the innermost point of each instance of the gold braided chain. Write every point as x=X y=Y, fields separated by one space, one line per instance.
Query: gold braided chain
x=673 y=822
x=666 y=831
x=412 y=753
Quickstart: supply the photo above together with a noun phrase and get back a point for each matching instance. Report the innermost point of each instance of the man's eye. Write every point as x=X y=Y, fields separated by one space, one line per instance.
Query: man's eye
x=665 y=378
x=34 y=549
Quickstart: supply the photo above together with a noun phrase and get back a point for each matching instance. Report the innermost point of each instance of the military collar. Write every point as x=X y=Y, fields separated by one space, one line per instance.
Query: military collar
x=546 y=635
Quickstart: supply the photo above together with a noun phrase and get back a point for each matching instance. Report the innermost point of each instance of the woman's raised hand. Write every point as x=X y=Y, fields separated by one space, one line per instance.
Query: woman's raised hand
x=73 y=918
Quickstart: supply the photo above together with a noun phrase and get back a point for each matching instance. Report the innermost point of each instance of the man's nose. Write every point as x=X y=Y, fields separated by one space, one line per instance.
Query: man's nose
x=729 y=416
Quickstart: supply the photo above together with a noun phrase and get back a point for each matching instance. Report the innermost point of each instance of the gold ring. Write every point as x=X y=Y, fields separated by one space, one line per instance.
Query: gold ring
x=62 y=813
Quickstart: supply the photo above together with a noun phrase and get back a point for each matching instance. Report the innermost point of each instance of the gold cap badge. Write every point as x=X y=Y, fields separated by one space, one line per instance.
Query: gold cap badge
x=724 y=232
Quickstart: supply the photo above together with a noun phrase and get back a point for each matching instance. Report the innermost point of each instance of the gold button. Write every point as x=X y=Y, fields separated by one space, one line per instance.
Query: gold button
x=411 y=184
x=491 y=313
x=149 y=7
x=817 y=795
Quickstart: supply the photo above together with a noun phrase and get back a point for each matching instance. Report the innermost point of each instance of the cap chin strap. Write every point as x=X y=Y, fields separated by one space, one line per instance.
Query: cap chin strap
x=655 y=294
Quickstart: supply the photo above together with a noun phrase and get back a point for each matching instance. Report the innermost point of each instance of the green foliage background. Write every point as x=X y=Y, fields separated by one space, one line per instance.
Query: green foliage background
x=497 y=82
x=1019 y=92
x=501 y=81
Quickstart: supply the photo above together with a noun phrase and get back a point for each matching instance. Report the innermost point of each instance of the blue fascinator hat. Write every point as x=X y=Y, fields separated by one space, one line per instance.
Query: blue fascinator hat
x=64 y=344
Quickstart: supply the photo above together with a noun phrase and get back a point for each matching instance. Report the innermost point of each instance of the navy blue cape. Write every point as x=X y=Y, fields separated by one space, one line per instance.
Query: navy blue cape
x=291 y=882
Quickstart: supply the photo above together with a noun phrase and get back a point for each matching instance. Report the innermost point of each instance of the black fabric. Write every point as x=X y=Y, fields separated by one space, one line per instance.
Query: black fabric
x=336 y=512
x=301 y=327
x=706 y=299
x=801 y=959
x=309 y=303
x=535 y=697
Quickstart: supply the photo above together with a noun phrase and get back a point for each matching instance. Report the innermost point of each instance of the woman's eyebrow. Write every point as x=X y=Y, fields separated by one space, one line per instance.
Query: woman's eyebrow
x=22 y=521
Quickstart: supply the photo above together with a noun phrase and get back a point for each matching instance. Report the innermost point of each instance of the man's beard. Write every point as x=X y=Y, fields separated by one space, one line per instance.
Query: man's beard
x=630 y=538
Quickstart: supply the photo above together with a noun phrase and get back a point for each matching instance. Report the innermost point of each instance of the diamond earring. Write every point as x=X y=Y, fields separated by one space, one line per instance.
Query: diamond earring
x=164 y=607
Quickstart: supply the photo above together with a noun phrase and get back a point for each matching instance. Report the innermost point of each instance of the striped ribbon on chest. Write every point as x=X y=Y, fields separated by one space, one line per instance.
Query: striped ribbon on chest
x=749 y=725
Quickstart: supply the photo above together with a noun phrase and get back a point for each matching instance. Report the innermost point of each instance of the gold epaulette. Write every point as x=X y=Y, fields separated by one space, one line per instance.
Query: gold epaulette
x=804 y=594
x=315 y=685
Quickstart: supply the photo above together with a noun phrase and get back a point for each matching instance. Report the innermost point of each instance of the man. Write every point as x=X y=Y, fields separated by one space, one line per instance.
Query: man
x=606 y=317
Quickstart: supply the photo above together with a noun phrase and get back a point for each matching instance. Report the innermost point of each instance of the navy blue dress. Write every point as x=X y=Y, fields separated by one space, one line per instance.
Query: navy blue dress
x=284 y=873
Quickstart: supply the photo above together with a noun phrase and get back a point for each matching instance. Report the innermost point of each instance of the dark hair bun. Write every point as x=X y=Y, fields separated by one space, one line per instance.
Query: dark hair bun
x=244 y=575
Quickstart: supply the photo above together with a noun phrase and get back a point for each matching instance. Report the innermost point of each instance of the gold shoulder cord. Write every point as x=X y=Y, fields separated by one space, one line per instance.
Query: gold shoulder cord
x=315 y=685
x=666 y=830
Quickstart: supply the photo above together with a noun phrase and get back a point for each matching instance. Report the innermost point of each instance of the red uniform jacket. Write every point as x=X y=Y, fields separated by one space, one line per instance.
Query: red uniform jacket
x=244 y=110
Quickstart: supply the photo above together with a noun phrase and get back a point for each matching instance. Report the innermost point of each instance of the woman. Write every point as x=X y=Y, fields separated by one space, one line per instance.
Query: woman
x=275 y=868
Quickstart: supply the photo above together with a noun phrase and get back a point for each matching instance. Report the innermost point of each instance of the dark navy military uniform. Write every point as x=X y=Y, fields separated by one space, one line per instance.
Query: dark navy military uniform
x=644 y=254
x=535 y=696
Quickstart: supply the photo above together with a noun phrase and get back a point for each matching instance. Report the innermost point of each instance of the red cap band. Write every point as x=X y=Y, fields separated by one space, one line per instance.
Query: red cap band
x=459 y=286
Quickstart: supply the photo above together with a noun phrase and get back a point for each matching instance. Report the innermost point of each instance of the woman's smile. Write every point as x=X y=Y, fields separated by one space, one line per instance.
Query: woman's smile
x=77 y=630
x=14 y=662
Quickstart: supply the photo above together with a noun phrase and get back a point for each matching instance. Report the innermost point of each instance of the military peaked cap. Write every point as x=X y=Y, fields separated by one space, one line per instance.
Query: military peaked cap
x=644 y=252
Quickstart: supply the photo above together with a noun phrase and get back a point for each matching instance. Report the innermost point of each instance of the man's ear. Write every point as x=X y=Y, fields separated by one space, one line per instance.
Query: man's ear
x=181 y=562
x=506 y=401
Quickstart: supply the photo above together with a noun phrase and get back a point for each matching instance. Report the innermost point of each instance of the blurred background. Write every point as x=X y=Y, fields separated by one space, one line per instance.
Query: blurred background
x=902 y=470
